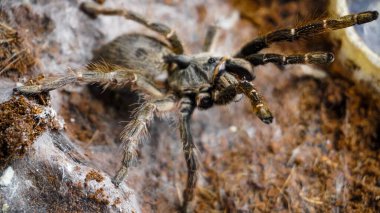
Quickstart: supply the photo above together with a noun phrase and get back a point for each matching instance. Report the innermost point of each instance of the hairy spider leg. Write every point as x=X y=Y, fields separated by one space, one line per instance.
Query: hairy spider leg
x=93 y=10
x=135 y=131
x=311 y=29
x=181 y=60
x=115 y=76
x=233 y=86
x=186 y=109
x=258 y=104
x=308 y=58
x=211 y=33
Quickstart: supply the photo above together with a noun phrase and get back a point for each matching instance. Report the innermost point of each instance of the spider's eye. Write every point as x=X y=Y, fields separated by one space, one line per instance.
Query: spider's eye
x=211 y=60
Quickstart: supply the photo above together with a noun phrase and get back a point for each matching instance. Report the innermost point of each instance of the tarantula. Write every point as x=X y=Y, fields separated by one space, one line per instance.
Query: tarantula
x=193 y=81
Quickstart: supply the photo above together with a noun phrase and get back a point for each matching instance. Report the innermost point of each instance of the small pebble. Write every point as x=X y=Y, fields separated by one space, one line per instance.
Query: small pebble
x=233 y=128
x=6 y=177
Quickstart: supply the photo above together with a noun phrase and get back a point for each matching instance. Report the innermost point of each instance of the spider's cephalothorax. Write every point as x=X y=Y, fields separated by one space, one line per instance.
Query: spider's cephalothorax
x=192 y=81
x=198 y=77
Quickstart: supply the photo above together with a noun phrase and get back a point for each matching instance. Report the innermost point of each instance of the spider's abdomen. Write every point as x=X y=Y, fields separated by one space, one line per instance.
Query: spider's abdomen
x=135 y=51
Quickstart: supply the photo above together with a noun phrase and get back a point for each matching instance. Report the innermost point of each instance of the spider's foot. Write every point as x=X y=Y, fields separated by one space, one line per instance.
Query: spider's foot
x=188 y=203
x=267 y=120
x=187 y=206
x=115 y=182
x=264 y=114
x=15 y=90
x=366 y=17
x=120 y=176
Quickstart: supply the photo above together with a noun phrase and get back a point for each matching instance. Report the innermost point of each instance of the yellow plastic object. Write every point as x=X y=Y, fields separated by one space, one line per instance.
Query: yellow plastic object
x=354 y=49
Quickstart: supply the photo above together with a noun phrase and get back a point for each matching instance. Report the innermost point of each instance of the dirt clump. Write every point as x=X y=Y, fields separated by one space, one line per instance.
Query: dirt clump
x=21 y=122
x=18 y=44
x=14 y=53
x=93 y=175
